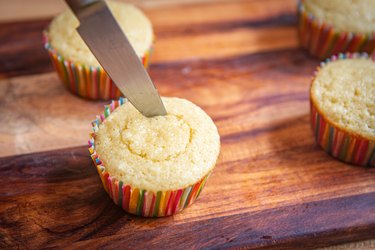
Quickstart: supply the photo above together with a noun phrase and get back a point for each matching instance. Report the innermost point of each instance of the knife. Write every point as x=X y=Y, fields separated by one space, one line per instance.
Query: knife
x=104 y=37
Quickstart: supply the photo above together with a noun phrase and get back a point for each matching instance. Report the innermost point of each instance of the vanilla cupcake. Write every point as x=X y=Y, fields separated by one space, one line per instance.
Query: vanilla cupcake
x=156 y=166
x=343 y=108
x=76 y=65
x=329 y=27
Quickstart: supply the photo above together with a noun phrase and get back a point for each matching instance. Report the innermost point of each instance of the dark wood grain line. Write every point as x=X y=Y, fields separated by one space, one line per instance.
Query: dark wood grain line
x=238 y=70
x=22 y=52
x=21 y=48
x=247 y=73
x=253 y=132
x=260 y=229
x=259 y=103
x=293 y=61
x=57 y=195
x=282 y=20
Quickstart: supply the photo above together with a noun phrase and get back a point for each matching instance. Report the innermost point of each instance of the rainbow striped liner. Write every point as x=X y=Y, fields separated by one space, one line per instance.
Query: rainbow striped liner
x=83 y=80
x=139 y=201
x=322 y=40
x=342 y=145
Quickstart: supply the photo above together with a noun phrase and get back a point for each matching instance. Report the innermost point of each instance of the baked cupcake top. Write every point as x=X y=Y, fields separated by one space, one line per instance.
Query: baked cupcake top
x=65 y=39
x=344 y=15
x=159 y=153
x=343 y=91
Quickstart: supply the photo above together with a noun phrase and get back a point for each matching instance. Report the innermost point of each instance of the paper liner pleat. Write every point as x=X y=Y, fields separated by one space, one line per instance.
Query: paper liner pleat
x=86 y=81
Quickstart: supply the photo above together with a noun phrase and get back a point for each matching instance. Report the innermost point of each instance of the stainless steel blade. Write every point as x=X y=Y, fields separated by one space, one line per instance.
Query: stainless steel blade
x=110 y=46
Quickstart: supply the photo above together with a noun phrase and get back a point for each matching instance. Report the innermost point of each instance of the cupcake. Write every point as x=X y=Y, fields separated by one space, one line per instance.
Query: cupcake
x=343 y=108
x=329 y=27
x=157 y=166
x=76 y=65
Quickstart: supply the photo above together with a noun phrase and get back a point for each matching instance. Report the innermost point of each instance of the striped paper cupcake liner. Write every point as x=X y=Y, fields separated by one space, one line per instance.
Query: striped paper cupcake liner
x=322 y=40
x=338 y=143
x=137 y=201
x=83 y=80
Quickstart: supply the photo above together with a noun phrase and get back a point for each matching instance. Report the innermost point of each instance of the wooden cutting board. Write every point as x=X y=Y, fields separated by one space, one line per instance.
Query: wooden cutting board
x=239 y=61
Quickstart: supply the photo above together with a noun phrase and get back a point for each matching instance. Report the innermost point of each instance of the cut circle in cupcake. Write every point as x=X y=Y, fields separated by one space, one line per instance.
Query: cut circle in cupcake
x=157 y=138
x=169 y=173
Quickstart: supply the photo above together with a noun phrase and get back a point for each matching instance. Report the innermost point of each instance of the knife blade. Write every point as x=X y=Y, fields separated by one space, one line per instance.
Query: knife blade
x=104 y=37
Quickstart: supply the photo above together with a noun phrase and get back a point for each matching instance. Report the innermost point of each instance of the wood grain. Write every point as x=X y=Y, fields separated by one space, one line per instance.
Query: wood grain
x=42 y=115
x=237 y=92
x=268 y=189
x=16 y=10
x=238 y=60
x=205 y=39
x=58 y=196
x=21 y=49
x=247 y=28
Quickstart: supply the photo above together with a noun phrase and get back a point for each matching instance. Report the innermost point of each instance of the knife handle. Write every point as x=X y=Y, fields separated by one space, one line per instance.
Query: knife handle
x=77 y=6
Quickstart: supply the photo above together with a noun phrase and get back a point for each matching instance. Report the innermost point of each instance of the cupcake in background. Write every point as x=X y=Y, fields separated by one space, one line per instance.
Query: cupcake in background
x=76 y=65
x=329 y=27
x=154 y=167
x=343 y=108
